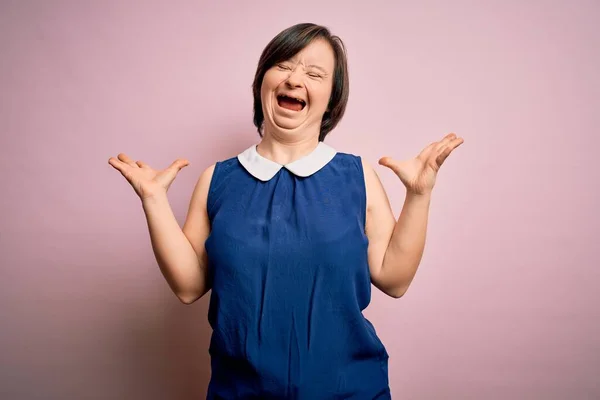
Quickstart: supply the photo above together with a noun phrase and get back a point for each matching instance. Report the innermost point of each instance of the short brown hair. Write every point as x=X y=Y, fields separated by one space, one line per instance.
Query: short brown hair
x=286 y=45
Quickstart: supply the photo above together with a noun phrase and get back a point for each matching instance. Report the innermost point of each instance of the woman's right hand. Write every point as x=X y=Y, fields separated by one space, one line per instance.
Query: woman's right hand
x=147 y=182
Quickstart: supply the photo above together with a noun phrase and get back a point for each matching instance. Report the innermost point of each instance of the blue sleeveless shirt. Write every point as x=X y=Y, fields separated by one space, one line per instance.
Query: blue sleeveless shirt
x=289 y=274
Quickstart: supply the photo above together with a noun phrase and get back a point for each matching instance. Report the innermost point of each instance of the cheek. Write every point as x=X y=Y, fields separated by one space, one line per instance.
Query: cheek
x=266 y=83
x=266 y=89
x=272 y=80
x=320 y=96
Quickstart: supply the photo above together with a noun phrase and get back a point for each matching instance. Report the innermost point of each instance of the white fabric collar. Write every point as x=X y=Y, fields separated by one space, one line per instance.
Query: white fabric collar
x=264 y=169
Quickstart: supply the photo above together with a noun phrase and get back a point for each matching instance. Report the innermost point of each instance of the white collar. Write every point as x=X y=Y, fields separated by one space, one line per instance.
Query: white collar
x=264 y=169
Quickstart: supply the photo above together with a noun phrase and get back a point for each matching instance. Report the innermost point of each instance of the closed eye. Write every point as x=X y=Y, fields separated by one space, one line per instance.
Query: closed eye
x=313 y=75
x=282 y=66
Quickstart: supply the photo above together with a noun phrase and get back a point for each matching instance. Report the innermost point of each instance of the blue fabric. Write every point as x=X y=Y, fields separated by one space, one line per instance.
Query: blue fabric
x=290 y=278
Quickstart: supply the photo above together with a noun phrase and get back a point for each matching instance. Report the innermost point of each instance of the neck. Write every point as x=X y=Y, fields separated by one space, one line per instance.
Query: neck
x=286 y=150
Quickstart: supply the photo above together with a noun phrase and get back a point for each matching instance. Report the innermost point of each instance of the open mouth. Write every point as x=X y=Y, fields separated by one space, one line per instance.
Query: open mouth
x=290 y=103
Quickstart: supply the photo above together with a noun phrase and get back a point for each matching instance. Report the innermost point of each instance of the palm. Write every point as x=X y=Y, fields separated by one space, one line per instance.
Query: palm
x=419 y=174
x=145 y=180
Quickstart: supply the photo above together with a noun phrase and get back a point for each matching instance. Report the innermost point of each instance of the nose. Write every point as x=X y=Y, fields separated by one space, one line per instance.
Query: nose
x=294 y=80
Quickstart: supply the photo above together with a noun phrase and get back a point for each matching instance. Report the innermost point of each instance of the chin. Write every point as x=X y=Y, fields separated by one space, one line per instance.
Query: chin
x=288 y=123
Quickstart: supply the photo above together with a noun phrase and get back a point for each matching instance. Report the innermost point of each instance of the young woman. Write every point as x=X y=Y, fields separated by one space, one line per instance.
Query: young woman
x=290 y=234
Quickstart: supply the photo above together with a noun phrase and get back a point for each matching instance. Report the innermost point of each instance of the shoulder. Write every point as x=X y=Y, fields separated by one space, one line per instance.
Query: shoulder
x=368 y=169
x=373 y=187
x=359 y=162
x=203 y=185
x=206 y=176
x=353 y=158
x=215 y=170
x=350 y=160
x=376 y=195
x=217 y=179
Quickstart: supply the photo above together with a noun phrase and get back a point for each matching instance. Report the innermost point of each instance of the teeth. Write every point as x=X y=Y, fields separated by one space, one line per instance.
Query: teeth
x=295 y=98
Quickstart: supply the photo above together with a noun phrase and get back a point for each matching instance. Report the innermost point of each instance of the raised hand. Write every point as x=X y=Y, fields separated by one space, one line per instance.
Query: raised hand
x=147 y=182
x=419 y=173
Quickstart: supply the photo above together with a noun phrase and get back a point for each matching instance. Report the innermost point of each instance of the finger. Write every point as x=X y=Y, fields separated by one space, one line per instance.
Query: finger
x=123 y=157
x=453 y=143
x=427 y=150
x=122 y=167
x=447 y=139
x=117 y=164
x=442 y=156
x=446 y=150
x=456 y=142
x=178 y=164
x=389 y=162
x=142 y=164
x=385 y=161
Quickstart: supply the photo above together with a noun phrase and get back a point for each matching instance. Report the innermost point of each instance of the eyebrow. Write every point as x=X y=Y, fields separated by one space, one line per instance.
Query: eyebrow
x=311 y=66
x=317 y=67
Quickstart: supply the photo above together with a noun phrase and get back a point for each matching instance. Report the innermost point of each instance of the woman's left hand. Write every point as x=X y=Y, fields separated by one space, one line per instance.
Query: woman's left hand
x=418 y=174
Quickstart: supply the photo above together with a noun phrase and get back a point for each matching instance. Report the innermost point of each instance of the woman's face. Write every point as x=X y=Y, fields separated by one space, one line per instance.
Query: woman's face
x=295 y=92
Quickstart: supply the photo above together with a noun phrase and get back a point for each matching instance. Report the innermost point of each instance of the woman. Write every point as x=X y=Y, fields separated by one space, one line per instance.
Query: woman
x=290 y=234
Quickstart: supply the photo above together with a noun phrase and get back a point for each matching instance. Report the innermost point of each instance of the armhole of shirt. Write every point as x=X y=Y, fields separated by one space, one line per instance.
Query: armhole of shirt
x=363 y=193
x=211 y=190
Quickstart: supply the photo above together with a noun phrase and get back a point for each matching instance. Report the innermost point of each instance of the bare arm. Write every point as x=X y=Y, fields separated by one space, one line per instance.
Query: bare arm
x=395 y=247
x=180 y=253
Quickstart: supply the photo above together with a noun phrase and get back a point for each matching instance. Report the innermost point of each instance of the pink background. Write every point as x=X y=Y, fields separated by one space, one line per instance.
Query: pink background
x=506 y=302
